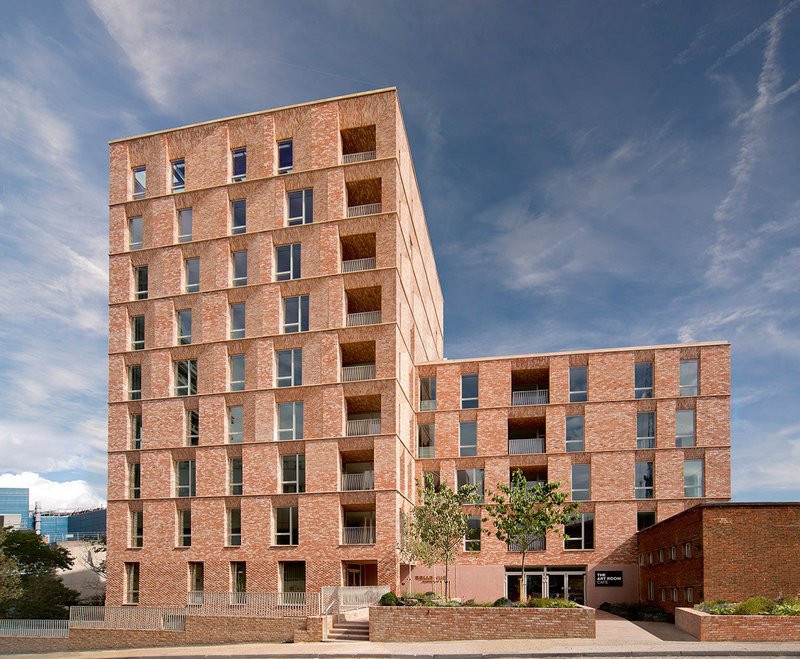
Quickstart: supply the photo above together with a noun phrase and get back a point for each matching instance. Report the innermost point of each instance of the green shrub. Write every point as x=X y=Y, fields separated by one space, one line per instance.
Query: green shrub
x=717 y=607
x=754 y=606
x=502 y=601
x=389 y=599
x=785 y=610
x=549 y=603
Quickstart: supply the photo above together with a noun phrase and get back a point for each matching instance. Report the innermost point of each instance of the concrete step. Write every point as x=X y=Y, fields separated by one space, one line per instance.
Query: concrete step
x=349 y=630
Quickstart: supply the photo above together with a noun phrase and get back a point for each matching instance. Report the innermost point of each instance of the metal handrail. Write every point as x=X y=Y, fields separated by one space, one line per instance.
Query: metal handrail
x=363 y=209
x=358 y=372
x=530 y=397
x=358 y=535
x=355 y=265
x=357 y=427
x=526 y=446
x=362 y=481
x=361 y=156
x=363 y=318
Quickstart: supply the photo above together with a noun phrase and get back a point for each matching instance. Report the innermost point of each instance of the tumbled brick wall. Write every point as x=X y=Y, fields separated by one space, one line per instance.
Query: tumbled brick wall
x=763 y=629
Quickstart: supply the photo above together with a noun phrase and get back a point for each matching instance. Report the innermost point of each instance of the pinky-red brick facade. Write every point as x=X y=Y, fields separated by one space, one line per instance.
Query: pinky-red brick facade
x=205 y=444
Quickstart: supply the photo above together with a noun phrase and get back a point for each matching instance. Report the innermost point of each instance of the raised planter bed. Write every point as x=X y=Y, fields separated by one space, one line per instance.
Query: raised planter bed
x=432 y=623
x=708 y=627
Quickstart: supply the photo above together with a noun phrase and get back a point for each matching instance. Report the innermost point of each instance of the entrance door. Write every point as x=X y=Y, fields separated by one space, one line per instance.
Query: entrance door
x=534 y=585
x=567 y=585
x=557 y=586
x=576 y=583
x=355 y=574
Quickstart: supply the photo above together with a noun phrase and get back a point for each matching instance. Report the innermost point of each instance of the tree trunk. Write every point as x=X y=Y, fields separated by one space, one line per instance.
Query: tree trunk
x=446 y=580
x=523 y=585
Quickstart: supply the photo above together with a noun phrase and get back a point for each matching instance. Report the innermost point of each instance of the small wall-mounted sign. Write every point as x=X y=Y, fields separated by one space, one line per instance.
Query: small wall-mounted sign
x=607 y=578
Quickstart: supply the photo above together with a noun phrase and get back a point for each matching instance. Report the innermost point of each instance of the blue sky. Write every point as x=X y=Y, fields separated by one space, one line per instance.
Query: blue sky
x=594 y=175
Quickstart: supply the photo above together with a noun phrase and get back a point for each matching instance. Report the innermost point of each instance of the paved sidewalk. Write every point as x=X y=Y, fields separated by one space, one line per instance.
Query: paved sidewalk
x=616 y=637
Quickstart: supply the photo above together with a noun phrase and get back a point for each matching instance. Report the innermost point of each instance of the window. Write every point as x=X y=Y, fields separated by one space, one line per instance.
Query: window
x=185 y=483
x=285 y=157
x=426 y=440
x=184 y=323
x=472 y=539
x=178 y=175
x=293 y=474
x=689 y=377
x=663 y=594
x=196 y=578
x=192 y=427
x=137 y=529
x=237 y=373
x=295 y=314
x=689 y=593
x=238 y=164
x=238 y=578
x=693 y=478
x=191 y=268
x=184 y=225
x=186 y=377
x=131 y=583
x=673 y=553
x=135 y=382
x=139 y=182
x=643 y=480
x=578 y=384
x=185 y=531
x=687 y=550
x=469 y=391
x=650 y=557
x=468 y=438
x=140 y=282
x=238 y=316
x=290 y=420
x=136 y=431
x=471 y=477
x=290 y=367
x=137 y=332
x=644 y=519
x=135 y=233
x=660 y=555
x=643 y=380
x=675 y=595
x=581 y=482
x=580 y=532
x=645 y=430
x=293 y=576
x=301 y=207
x=235 y=476
x=234 y=525
x=427 y=394
x=576 y=427
x=651 y=590
x=235 y=424
x=286 y=532
x=239 y=263
x=239 y=216
x=684 y=428
x=135 y=480
x=287 y=262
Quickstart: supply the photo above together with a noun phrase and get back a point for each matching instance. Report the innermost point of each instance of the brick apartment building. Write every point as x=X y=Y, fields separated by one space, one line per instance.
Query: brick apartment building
x=277 y=381
x=721 y=551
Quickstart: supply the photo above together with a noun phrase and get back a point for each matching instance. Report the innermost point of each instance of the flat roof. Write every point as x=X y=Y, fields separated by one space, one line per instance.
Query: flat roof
x=725 y=504
x=254 y=114
x=664 y=346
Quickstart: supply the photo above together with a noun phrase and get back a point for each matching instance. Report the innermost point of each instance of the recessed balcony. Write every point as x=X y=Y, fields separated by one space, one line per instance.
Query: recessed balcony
x=358 y=252
x=530 y=387
x=363 y=197
x=363 y=306
x=363 y=416
x=358 y=476
x=358 y=144
x=358 y=527
x=358 y=361
x=526 y=436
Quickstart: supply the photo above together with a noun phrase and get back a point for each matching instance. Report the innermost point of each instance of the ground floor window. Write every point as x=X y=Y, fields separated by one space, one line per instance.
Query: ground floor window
x=555 y=582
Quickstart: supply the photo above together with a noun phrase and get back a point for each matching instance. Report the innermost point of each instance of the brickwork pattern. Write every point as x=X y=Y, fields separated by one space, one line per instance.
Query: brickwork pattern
x=707 y=627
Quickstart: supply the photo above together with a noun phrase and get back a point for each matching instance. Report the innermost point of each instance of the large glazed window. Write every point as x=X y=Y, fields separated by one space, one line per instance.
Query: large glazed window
x=578 y=384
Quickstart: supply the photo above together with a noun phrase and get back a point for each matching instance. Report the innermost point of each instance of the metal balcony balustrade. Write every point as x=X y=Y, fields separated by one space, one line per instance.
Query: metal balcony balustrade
x=358 y=535
x=268 y=605
x=356 y=265
x=536 y=543
x=362 y=156
x=363 y=318
x=357 y=427
x=526 y=446
x=426 y=451
x=363 y=209
x=354 y=482
x=358 y=372
x=530 y=397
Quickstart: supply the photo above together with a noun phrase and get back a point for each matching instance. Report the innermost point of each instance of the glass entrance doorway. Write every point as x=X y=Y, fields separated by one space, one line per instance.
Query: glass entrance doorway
x=534 y=584
x=556 y=583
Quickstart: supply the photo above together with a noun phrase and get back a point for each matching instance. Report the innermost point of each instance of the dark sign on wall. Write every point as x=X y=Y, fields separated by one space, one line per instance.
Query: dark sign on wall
x=608 y=578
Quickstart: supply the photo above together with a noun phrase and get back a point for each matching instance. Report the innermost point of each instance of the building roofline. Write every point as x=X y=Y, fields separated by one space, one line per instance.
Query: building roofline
x=664 y=346
x=724 y=504
x=253 y=114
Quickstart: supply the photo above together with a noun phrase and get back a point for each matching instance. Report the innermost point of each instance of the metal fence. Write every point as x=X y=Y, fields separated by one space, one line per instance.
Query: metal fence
x=34 y=629
x=362 y=481
x=262 y=605
x=361 y=156
x=127 y=617
x=526 y=446
x=358 y=372
x=363 y=318
x=338 y=599
x=364 y=209
x=355 y=265
x=530 y=397
x=358 y=427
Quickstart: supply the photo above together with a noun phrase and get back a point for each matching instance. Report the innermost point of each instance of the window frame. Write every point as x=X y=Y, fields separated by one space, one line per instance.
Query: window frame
x=295 y=377
x=178 y=172
x=233 y=365
x=240 y=228
x=299 y=482
x=139 y=182
x=137 y=332
x=588 y=489
x=430 y=430
x=642 y=491
x=427 y=405
x=239 y=279
x=232 y=538
x=583 y=520
x=645 y=441
x=132 y=575
x=684 y=439
x=189 y=388
x=689 y=389
x=306 y=196
x=239 y=157
x=185 y=490
x=467 y=401
x=293 y=431
x=237 y=332
x=578 y=395
x=135 y=226
x=235 y=436
x=235 y=469
x=472 y=538
x=284 y=145
x=134 y=375
x=701 y=487
x=294 y=527
x=295 y=262
x=141 y=274
x=182 y=338
x=469 y=448
x=183 y=538
x=639 y=526
x=134 y=480
x=191 y=285
x=641 y=391
x=181 y=215
x=567 y=439
x=469 y=474
x=136 y=430
x=192 y=422
x=301 y=322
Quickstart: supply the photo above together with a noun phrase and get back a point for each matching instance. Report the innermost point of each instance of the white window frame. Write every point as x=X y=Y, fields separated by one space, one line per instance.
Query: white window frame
x=293 y=432
x=578 y=395
x=238 y=279
x=470 y=399
x=183 y=539
x=689 y=389
x=430 y=404
x=293 y=525
x=183 y=339
x=238 y=332
x=686 y=440
x=421 y=453
x=588 y=490
x=305 y=217
x=687 y=549
x=470 y=543
x=182 y=213
x=468 y=447
x=191 y=438
x=569 y=444
x=189 y=286
x=134 y=475
x=136 y=431
x=137 y=343
x=185 y=490
x=701 y=486
x=644 y=392
x=134 y=394
x=132 y=577
x=288 y=275
x=673 y=553
x=181 y=186
x=645 y=441
x=136 y=536
x=293 y=379
x=134 y=245
x=139 y=293
x=472 y=479
x=235 y=436
x=237 y=385
x=641 y=491
x=190 y=388
x=236 y=153
x=299 y=485
x=286 y=169
x=140 y=180
x=689 y=593
x=242 y=228
x=235 y=488
x=301 y=324
x=232 y=539
x=582 y=519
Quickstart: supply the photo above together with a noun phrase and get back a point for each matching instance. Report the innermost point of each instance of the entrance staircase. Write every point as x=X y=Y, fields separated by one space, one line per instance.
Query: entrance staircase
x=349 y=630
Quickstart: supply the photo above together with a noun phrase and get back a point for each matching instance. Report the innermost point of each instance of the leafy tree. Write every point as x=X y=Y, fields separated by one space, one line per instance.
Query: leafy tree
x=435 y=529
x=33 y=555
x=521 y=514
x=9 y=573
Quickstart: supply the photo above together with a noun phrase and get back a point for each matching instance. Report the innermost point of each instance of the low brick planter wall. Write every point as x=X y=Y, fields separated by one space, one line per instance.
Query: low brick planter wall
x=708 y=627
x=431 y=623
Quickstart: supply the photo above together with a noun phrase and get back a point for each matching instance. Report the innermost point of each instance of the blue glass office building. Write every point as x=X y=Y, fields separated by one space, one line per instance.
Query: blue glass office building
x=16 y=501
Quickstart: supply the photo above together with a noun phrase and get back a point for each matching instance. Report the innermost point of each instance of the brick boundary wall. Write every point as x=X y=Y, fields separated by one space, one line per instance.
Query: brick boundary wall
x=708 y=627
x=200 y=630
x=427 y=623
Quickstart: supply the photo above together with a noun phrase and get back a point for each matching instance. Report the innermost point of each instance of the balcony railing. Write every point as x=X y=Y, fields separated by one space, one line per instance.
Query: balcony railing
x=427 y=405
x=195 y=597
x=533 y=544
x=530 y=397
x=362 y=481
x=267 y=605
x=355 y=265
x=361 y=156
x=364 y=209
x=363 y=318
x=526 y=446
x=358 y=535
x=426 y=451
x=359 y=372
x=356 y=427
x=645 y=442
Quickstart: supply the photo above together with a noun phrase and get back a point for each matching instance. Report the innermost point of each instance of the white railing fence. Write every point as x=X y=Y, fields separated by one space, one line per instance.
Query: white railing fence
x=34 y=628
x=526 y=446
x=361 y=156
x=364 y=209
x=356 y=427
x=363 y=481
x=530 y=397
x=127 y=617
x=355 y=265
x=338 y=599
x=358 y=372
x=534 y=543
x=358 y=535
x=263 y=605
x=363 y=318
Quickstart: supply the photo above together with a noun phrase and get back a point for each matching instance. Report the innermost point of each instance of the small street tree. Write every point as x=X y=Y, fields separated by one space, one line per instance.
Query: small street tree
x=435 y=528
x=520 y=514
